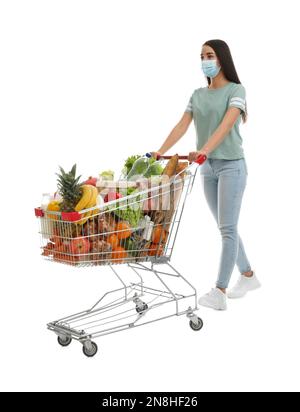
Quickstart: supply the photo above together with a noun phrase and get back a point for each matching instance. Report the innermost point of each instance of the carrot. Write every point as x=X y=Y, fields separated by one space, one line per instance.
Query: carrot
x=158 y=235
x=156 y=250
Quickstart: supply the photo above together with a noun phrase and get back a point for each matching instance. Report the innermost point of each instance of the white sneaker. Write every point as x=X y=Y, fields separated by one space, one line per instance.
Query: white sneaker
x=215 y=299
x=243 y=286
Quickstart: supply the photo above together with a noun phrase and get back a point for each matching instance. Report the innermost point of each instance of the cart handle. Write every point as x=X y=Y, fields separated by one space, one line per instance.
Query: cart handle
x=200 y=159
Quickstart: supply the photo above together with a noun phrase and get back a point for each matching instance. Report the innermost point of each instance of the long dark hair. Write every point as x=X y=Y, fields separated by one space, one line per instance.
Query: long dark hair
x=223 y=53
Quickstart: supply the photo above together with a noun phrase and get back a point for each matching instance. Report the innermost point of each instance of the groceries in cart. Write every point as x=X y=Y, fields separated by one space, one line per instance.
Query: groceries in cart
x=134 y=221
x=103 y=221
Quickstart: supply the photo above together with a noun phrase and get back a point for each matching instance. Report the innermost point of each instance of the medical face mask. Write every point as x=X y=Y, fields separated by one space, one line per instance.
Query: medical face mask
x=210 y=68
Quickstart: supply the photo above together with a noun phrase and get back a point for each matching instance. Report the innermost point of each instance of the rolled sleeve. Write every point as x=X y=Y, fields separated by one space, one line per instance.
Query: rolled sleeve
x=189 y=107
x=238 y=98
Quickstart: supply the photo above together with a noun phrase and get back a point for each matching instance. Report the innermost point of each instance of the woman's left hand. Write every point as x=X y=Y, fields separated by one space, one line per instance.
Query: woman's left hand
x=194 y=155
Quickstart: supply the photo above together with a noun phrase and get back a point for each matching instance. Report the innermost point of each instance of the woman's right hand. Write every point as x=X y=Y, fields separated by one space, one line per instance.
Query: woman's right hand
x=193 y=156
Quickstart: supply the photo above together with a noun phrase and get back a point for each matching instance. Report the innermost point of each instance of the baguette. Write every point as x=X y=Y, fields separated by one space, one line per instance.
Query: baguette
x=181 y=167
x=171 y=166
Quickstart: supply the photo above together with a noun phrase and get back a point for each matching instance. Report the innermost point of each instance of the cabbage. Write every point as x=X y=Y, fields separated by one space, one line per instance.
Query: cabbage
x=129 y=163
x=155 y=169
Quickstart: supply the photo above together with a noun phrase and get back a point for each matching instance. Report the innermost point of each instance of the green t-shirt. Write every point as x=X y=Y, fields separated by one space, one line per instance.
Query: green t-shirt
x=208 y=107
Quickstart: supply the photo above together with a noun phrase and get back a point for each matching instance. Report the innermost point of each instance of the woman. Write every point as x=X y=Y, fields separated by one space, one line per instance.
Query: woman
x=217 y=111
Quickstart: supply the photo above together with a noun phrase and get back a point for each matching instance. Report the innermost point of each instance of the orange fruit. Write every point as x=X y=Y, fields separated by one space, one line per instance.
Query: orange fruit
x=158 y=235
x=113 y=240
x=155 y=250
x=119 y=253
x=123 y=230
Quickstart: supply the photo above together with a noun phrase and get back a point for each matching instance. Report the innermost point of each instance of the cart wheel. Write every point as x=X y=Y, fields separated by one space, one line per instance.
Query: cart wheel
x=198 y=326
x=141 y=309
x=92 y=352
x=64 y=342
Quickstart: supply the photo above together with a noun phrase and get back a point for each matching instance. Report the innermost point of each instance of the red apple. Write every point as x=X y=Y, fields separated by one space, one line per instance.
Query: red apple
x=112 y=196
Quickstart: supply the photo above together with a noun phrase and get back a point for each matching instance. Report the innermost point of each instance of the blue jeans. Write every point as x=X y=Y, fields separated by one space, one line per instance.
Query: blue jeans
x=224 y=182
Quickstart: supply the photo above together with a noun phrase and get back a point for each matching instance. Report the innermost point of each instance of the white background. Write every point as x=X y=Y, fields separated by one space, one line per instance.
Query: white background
x=92 y=82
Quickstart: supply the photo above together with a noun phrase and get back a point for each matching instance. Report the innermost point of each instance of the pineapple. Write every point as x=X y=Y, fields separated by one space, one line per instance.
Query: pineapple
x=69 y=189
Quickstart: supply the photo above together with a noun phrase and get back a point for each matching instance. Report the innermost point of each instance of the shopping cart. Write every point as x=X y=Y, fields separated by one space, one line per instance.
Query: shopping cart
x=101 y=236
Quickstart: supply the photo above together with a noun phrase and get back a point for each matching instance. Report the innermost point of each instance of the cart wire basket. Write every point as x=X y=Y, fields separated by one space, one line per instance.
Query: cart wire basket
x=102 y=236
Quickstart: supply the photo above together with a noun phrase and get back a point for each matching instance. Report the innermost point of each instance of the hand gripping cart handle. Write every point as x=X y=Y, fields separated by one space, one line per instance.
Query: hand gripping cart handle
x=200 y=159
x=133 y=237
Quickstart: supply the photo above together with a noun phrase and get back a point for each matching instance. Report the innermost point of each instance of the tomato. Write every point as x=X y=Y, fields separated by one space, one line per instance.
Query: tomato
x=59 y=248
x=79 y=245
x=56 y=240
x=47 y=252
x=66 y=244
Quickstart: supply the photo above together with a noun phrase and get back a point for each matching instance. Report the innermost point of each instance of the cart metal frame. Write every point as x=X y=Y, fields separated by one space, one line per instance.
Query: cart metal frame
x=132 y=308
x=130 y=305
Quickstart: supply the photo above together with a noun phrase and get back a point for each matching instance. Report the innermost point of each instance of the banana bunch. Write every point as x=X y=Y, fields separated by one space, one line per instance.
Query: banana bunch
x=87 y=200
